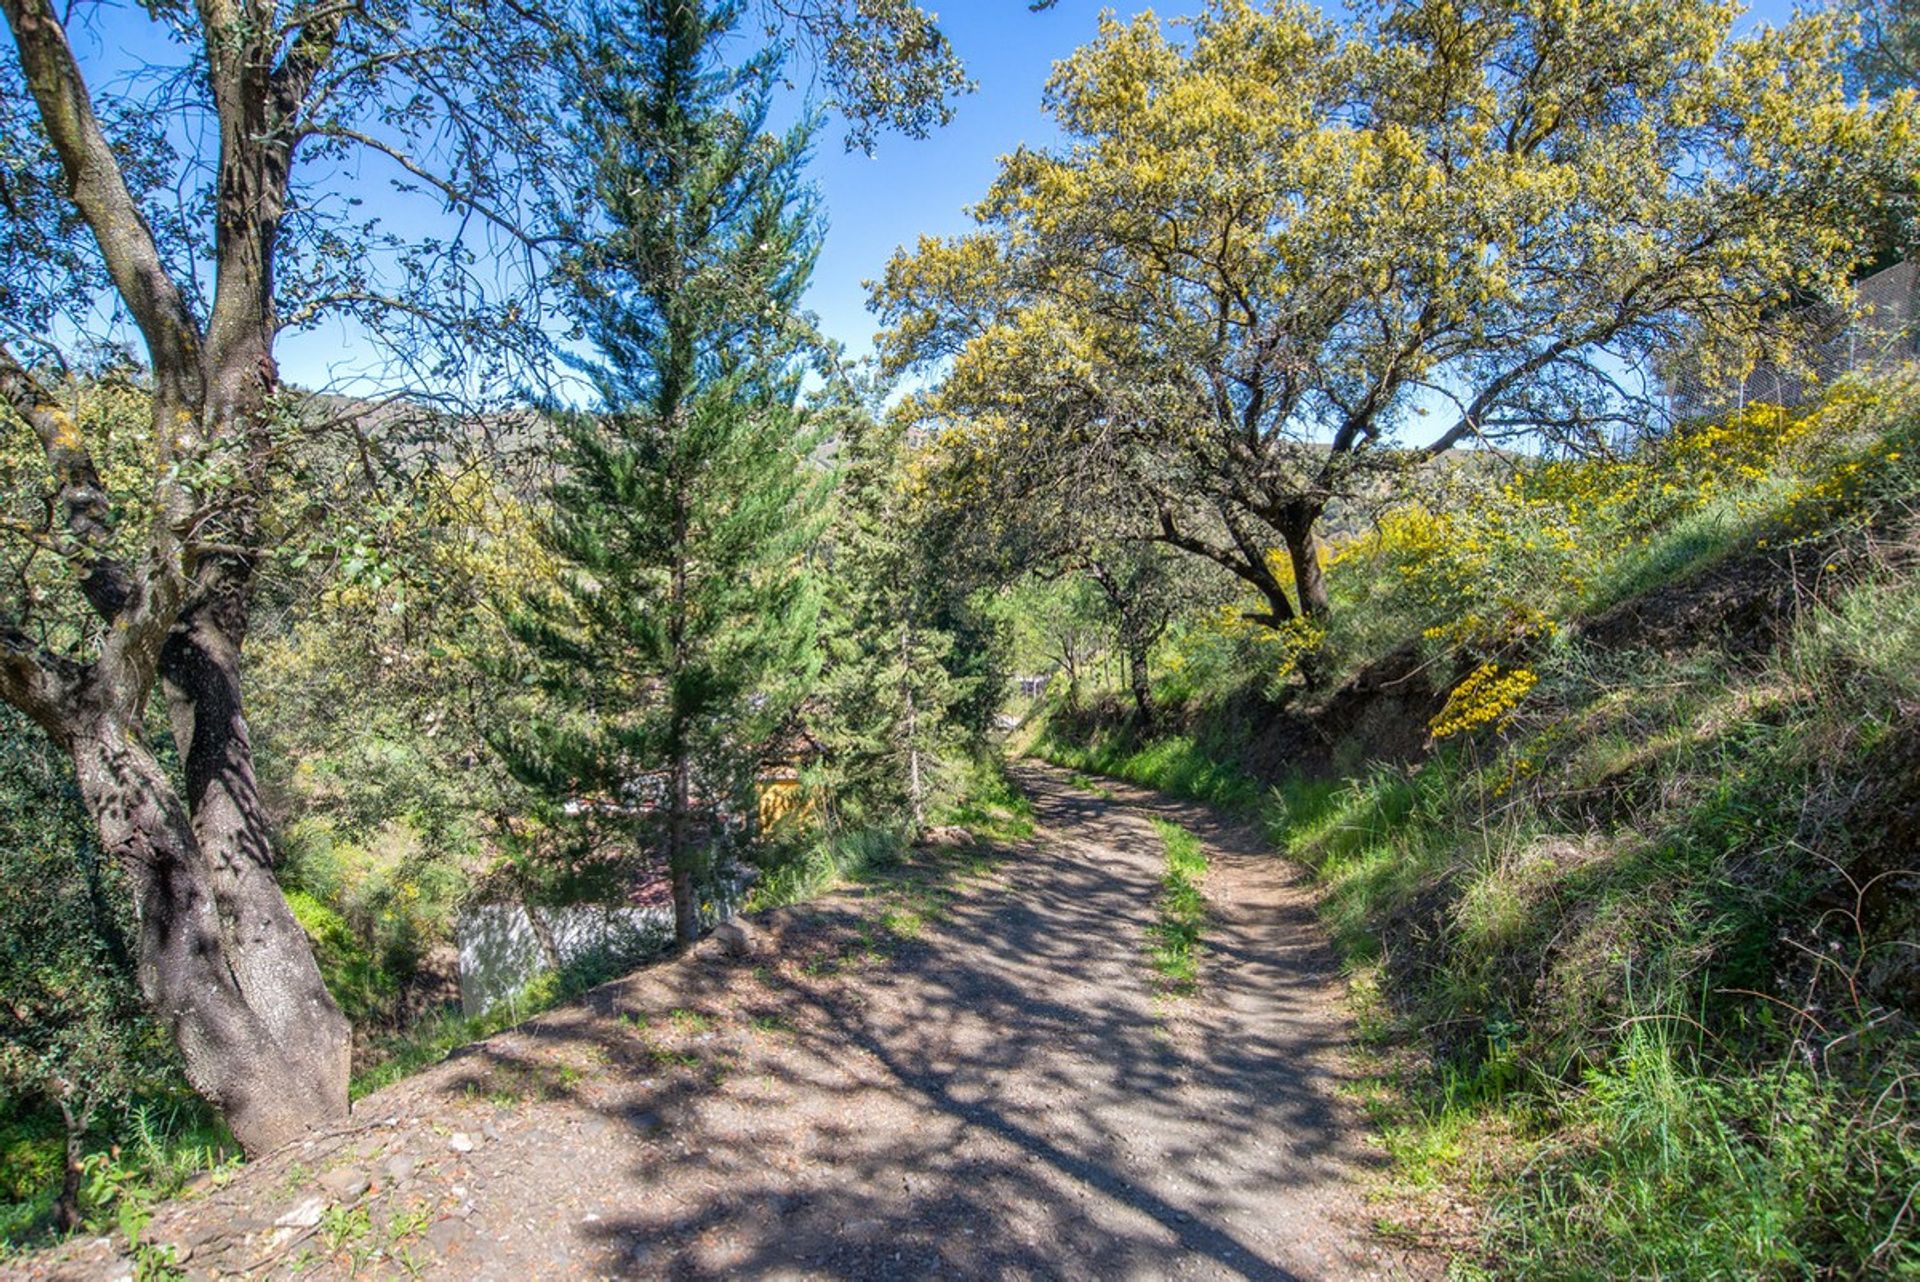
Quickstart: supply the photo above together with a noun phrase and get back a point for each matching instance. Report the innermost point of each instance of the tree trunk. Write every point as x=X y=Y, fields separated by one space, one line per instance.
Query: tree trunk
x=269 y=1091
x=1309 y=577
x=268 y=952
x=686 y=913
x=1138 y=676
x=916 y=799
x=66 y=1208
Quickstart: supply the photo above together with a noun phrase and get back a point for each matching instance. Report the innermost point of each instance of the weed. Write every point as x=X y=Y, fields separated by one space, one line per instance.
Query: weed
x=685 y=1020
x=1174 y=937
x=342 y=1226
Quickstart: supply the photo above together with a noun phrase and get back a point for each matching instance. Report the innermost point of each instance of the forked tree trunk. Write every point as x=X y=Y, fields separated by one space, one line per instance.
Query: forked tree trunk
x=259 y=1036
x=220 y=957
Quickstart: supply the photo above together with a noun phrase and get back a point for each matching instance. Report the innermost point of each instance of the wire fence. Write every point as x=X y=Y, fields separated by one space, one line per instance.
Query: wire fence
x=1880 y=332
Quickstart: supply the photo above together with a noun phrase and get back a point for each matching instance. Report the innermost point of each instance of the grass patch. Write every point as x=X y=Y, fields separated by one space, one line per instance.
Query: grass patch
x=434 y=1038
x=1087 y=783
x=163 y=1143
x=989 y=807
x=1178 y=766
x=1173 y=940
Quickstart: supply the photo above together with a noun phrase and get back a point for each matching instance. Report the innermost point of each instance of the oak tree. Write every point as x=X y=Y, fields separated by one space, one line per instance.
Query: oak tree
x=1270 y=246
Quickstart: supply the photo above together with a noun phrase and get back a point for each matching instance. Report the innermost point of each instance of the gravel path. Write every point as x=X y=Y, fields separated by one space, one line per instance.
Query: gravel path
x=912 y=1081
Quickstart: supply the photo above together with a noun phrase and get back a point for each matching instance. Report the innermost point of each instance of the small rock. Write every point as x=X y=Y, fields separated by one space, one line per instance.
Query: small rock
x=344 y=1183
x=460 y=1142
x=736 y=938
x=399 y=1168
x=304 y=1214
x=490 y=1131
x=947 y=835
x=202 y=1234
x=447 y=1236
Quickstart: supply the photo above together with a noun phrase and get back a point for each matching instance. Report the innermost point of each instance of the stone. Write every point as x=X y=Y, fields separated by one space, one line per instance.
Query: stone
x=448 y=1236
x=304 y=1214
x=344 y=1183
x=400 y=1167
x=945 y=835
x=736 y=938
x=460 y=1142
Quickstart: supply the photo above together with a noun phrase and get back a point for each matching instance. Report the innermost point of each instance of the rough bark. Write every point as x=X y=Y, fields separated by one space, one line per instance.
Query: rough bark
x=268 y=1093
x=219 y=955
x=267 y=949
x=66 y=1207
x=1309 y=576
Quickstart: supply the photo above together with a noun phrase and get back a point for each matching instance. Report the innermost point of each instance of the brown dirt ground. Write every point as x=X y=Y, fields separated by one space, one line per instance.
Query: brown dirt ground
x=963 y=1071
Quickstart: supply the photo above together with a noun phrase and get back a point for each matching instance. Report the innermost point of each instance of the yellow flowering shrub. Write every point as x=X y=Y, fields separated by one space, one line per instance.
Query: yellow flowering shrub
x=1490 y=693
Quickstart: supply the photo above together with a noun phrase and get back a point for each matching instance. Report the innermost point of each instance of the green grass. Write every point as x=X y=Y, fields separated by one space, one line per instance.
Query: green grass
x=163 y=1143
x=1176 y=765
x=1087 y=783
x=1621 y=1003
x=426 y=1043
x=989 y=806
x=1173 y=940
x=1567 y=923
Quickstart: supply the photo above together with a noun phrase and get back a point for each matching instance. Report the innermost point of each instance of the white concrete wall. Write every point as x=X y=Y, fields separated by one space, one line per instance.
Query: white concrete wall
x=500 y=953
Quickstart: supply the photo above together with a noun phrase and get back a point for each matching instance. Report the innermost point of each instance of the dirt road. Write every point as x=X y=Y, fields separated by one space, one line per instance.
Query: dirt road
x=916 y=1080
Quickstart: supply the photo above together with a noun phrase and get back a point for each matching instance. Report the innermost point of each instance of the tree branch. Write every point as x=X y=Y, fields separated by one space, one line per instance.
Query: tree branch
x=83 y=502
x=101 y=195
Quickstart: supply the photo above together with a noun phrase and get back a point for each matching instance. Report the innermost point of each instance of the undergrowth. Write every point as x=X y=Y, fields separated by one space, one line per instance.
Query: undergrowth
x=1174 y=765
x=1637 y=944
x=988 y=805
x=1174 y=937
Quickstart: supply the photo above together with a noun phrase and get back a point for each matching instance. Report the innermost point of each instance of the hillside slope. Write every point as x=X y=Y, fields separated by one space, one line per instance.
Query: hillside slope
x=1621 y=849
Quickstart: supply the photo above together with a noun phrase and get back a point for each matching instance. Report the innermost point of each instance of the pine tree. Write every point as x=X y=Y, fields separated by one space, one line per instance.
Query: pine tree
x=680 y=634
x=887 y=696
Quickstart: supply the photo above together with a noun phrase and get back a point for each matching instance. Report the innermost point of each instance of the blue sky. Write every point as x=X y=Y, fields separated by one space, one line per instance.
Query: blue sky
x=873 y=203
x=908 y=187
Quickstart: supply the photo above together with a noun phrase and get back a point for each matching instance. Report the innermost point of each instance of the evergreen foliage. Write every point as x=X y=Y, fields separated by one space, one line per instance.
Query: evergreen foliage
x=884 y=707
x=679 y=634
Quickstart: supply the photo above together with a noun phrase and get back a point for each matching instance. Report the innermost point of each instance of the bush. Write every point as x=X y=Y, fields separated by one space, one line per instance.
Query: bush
x=1641 y=926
